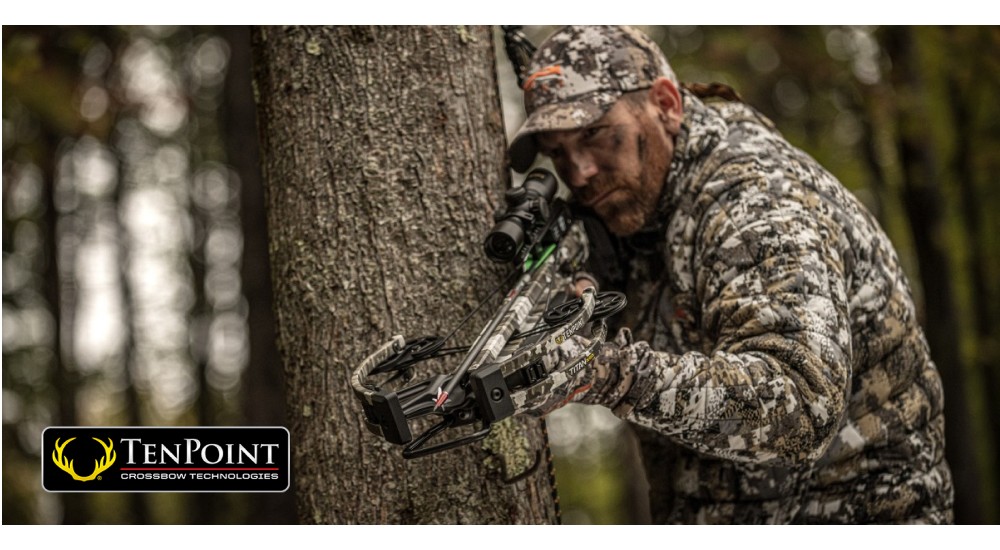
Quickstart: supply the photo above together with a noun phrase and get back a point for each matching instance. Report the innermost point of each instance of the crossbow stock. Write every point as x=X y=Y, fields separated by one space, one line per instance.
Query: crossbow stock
x=502 y=372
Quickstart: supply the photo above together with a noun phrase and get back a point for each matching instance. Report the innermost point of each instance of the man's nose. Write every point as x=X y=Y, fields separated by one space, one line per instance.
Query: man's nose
x=582 y=168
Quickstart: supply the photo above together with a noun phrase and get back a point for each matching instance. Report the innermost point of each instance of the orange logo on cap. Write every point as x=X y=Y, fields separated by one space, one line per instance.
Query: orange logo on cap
x=542 y=75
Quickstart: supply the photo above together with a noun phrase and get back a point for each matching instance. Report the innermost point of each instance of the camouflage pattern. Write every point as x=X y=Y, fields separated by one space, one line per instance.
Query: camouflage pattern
x=780 y=373
x=568 y=87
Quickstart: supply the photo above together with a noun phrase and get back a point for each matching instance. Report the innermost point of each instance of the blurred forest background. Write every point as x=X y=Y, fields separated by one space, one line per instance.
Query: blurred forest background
x=136 y=284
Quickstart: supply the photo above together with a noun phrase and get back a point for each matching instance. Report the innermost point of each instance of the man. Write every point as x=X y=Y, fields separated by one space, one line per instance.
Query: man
x=774 y=366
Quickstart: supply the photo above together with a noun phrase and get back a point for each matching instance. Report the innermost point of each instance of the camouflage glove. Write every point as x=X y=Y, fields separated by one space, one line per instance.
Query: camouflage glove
x=615 y=373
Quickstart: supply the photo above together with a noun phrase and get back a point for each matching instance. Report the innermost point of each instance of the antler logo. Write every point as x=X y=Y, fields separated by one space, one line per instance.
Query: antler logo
x=99 y=465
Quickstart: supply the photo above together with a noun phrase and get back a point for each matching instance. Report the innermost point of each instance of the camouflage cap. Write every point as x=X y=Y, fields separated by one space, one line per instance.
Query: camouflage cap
x=577 y=74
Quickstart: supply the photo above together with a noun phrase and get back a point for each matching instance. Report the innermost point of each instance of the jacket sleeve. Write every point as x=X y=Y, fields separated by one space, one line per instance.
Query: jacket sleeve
x=772 y=294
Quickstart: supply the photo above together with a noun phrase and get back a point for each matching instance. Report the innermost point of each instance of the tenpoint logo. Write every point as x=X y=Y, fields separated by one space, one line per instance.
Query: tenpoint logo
x=188 y=459
x=99 y=465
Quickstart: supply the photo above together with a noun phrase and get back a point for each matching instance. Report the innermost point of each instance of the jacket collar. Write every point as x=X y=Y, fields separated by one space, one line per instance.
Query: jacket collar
x=702 y=130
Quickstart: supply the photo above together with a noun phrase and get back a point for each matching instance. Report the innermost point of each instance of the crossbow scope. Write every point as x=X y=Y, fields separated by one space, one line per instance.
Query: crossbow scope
x=528 y=210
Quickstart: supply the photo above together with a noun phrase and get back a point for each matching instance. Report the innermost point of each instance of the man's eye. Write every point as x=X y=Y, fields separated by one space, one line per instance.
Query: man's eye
x=553 y=154
x=589 y=133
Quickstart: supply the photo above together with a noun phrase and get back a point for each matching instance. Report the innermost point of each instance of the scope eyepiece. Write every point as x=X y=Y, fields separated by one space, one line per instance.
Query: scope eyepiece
x=541 y=184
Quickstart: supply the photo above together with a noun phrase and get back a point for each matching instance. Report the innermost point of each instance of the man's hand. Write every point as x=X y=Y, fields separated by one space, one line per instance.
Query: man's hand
x=603 y=381
x=582 y=281
x=615 y=372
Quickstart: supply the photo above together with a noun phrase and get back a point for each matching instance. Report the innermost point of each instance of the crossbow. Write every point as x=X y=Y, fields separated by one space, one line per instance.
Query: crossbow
x=502 y=372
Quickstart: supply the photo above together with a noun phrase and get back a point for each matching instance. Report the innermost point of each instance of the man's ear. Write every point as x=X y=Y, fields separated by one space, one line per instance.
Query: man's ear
x=667 y=100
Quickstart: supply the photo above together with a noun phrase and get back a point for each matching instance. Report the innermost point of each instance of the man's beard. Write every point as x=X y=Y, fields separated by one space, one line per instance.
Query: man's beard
x=628 y=210
x=633 y=202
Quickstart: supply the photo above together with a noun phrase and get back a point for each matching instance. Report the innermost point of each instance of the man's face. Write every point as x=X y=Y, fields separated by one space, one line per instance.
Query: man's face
x=618 y=165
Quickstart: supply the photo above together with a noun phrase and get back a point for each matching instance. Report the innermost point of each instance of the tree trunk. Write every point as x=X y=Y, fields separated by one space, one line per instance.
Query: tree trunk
x=963 y=100
x=65 y=378
x=923 y=202
x=263 y=382
x=382 y=165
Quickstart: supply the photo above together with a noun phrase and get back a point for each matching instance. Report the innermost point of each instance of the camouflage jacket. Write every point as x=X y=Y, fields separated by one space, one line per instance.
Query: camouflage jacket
x=783 y=377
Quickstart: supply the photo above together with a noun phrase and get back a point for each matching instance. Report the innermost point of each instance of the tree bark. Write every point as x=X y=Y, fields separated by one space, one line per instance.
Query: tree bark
x=382 y=166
